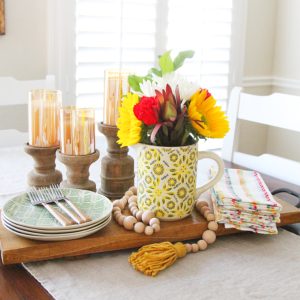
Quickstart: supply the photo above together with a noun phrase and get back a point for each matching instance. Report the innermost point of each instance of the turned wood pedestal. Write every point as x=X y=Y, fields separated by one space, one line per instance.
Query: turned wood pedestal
x=44 y=172
x=78 y=170
x=117 y=167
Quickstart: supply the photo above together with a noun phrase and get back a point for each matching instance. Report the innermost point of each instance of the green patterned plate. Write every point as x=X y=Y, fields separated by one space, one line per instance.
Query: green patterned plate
x=65 y=230
x=58 y=237
x=20 y=211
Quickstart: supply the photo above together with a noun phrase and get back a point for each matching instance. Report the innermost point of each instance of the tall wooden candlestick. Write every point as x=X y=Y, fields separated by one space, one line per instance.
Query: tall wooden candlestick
x=117 y=167
x=44 y=172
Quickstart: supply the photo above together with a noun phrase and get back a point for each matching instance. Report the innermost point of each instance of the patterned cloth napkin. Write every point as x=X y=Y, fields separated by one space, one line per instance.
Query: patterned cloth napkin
x=242 y=200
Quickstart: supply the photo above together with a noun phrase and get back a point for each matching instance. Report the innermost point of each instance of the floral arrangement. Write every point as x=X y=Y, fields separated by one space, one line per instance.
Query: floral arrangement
x=165 y=109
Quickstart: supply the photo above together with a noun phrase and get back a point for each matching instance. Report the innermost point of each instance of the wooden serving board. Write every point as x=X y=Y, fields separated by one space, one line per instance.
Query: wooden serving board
x=15 y=249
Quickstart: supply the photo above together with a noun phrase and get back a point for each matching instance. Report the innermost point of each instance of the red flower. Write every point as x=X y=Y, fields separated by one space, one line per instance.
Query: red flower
x=147 y=110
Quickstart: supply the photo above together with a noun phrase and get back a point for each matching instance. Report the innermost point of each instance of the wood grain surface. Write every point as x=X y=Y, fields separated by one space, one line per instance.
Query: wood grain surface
x=2 y=18
x=15 y=249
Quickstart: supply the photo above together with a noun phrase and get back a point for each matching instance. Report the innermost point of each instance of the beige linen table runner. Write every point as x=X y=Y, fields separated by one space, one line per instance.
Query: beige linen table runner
x=242 y=266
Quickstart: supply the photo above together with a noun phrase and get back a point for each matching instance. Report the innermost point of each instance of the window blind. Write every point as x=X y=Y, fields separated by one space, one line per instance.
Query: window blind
x=131 y=33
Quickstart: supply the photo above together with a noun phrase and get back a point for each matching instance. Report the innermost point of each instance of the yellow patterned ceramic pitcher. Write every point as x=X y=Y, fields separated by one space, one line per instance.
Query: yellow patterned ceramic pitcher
x=167 y=179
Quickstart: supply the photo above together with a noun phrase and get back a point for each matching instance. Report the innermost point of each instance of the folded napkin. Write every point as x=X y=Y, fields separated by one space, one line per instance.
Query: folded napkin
x=242 y=200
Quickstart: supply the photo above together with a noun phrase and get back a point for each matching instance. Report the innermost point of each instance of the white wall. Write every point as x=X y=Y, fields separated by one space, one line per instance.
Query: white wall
x=260 y=37
x=286 y=61
x=23 y=52
x=23 y=49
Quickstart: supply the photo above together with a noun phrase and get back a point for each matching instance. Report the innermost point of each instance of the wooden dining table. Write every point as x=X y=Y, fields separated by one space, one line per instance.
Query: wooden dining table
x=17 y=283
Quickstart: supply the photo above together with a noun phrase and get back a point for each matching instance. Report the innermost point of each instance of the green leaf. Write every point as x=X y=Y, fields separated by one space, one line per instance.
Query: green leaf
x=134 y=82
x=166 y=63
x=180 y=58
x=155 y=71
x=165 y=130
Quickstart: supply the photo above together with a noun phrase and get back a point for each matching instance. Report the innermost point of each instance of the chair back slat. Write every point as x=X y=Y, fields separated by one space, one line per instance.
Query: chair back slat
x=277 y=110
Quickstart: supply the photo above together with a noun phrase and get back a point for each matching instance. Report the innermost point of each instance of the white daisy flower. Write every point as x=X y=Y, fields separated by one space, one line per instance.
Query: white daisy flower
x=148 y=88
x=186 y=88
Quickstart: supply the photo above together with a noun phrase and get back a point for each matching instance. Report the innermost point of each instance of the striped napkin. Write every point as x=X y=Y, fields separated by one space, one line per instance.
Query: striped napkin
x=242 y=200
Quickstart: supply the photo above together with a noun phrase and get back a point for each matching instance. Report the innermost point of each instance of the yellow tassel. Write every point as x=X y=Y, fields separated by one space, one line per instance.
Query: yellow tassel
x=151 y=259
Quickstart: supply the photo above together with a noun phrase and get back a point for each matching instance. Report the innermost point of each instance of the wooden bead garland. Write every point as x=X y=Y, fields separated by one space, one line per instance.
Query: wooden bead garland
x=146 y=222
x=139 y=221
x=209 y=235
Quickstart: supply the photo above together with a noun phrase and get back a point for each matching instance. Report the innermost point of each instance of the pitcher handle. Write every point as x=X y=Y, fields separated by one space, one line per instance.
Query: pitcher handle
x=217 y=177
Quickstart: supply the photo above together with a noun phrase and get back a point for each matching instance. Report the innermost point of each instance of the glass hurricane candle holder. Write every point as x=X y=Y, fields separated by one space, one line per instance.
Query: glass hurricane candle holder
x=77 y=130
x=115 y=86
x=43 y=121
x=43 y=117
x=77 y=148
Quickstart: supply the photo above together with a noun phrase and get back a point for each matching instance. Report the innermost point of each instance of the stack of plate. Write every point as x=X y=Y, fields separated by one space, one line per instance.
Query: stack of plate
x=35 y=222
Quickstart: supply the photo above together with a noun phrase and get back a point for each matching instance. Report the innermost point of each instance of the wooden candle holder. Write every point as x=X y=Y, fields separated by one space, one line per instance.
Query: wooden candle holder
x=78 y=170
x=117 y=167
x=44 y=172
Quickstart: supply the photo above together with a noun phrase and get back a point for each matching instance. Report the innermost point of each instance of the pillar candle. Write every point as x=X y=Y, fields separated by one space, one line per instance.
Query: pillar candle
x=77 y=130
x=115 y=86
x=43 y=117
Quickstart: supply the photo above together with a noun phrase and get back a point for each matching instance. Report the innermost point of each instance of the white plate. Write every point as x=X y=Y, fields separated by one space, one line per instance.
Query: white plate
x=58 y=237
x=19 y=210
x=65 y=230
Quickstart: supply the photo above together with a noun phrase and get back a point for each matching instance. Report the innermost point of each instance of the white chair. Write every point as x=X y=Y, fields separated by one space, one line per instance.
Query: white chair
x=279 y=110
x=13 y=108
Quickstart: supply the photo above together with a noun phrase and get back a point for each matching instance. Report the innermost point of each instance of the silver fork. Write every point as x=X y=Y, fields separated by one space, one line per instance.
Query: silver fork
x=52 y=197
x=37 y=198
x=60 y=195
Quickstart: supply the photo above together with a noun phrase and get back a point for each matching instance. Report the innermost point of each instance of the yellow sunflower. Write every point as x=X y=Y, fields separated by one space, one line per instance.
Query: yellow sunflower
x=208 y=119
x=129 y=126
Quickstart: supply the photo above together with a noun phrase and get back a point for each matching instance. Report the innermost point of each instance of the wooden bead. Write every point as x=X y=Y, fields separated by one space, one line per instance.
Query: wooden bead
x=116 y=208
x=203 y=209
x=133 y=189
x=124 y=199
x=209 y=236
x=132 y=199
x=139 y=215
x=120 y=219
x=202 y=245
x=213 y=226
x=129 y=194
x=139 y=227
x=200 y=204
x=156 y=227
x=195 y=248
x=146 y=216
x=131 y=205
x=149 y=230
x=188 y=248
x=117 y=213
x=210 y=217
x=154 y=221
x=129 y=222
x=206 y=213
x=134 y=211
x=116 y=203
x=121 y=204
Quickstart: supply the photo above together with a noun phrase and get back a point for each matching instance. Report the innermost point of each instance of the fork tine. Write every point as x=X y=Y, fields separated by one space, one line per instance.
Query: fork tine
x=52 y=191
x=59 y=191
x=47 y=194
